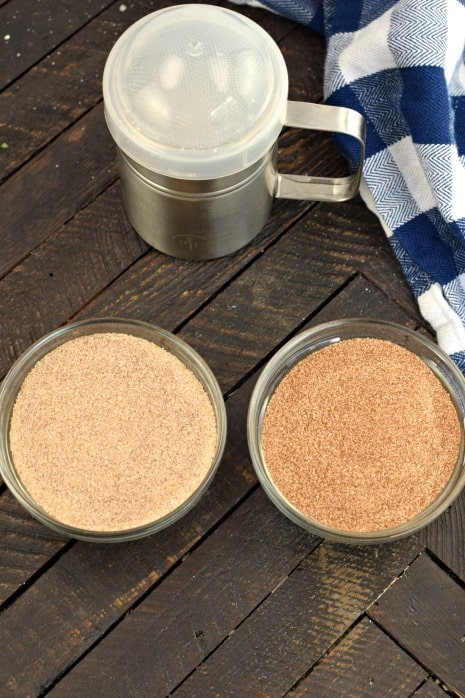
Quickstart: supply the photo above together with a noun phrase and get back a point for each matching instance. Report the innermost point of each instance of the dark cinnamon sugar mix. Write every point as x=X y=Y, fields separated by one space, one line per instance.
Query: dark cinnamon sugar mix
x=361 y=435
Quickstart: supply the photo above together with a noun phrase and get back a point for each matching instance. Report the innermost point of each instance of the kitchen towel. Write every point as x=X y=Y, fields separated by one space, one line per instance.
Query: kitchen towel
x=401 y=64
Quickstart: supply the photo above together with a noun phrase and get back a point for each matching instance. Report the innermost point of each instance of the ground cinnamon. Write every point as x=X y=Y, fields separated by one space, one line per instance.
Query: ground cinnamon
x=110 y=431
x=361 y=435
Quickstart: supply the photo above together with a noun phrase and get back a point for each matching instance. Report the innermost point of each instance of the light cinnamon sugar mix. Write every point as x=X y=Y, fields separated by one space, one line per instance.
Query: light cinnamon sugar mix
x=110 y=432
x=361 y=435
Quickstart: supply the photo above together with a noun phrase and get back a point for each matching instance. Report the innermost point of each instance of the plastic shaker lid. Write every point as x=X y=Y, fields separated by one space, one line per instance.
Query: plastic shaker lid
x=195 y=91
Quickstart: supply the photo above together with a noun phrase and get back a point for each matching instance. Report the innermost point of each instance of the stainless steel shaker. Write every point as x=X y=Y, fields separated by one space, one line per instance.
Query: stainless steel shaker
x=195 y=98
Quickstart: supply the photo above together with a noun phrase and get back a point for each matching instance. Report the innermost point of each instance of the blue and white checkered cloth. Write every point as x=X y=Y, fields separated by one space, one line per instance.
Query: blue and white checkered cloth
x=401 y=64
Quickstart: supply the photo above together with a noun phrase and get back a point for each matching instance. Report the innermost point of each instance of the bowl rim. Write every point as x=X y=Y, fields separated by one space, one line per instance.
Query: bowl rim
x=305 y=343
x=13 y=380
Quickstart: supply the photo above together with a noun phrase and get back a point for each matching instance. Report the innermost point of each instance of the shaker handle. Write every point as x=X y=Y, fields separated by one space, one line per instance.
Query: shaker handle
x=323 y=117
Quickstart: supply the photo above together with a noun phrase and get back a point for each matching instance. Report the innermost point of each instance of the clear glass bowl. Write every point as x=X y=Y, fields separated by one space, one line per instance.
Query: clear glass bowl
x=315 y=339
x=14 y=379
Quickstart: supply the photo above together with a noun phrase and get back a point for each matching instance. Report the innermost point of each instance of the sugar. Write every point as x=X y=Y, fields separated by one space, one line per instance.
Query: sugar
x=361 y=435
x=110 y=431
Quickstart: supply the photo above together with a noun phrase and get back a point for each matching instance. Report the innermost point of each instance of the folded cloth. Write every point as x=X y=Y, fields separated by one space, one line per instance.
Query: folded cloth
x=401 y=64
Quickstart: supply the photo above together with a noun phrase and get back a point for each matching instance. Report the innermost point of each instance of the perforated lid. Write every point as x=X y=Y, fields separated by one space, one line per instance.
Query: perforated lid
x=195 y=91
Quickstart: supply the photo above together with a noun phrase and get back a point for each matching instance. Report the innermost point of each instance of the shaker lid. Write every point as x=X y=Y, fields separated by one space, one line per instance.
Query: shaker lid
x=195 y=91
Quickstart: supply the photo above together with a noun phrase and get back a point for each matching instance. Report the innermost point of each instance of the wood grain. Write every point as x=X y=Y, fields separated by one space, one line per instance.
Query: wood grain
x=299 y=622
x=305 y=78
x=361 y=298
x=385 y=271
x=436 y=640
x=444 y=537
x=282 y=290
x=36 y=28
x=201 y=603
x=54 y=186
x=63 y=274
x=61 y=88
x=365 y=663
x=430 y=689
x=25 y=546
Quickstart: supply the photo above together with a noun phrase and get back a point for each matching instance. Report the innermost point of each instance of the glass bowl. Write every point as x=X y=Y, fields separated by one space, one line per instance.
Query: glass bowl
x=315 y=339
x=22 y=367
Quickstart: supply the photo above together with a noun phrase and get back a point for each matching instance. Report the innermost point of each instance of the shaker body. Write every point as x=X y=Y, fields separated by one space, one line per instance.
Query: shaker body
x=198 y=219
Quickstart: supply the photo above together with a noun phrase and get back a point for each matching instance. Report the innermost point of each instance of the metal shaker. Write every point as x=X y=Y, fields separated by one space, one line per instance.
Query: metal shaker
x=195 y=98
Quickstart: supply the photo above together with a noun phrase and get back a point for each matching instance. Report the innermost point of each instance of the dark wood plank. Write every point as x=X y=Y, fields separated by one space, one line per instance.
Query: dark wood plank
x=305 y=76
x=36 y=28
x=61 y=88
x=370 y=301
x=365 y=663
x=52 y=187
x=196 y=608
x=63 y=274
x=424 y=611
x=430 y=689
x=386 y=273
x=444 y=537
x=25 y=546
x=299 y=622
x=283 y=289
x=281 y=30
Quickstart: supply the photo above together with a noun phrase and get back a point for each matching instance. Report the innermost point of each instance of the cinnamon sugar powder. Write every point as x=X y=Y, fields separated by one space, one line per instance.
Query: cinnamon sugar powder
x=110 y=432
x=361 y=435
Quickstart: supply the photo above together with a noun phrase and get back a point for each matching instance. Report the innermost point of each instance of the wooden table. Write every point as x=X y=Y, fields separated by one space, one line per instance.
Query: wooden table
x=234 y=600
